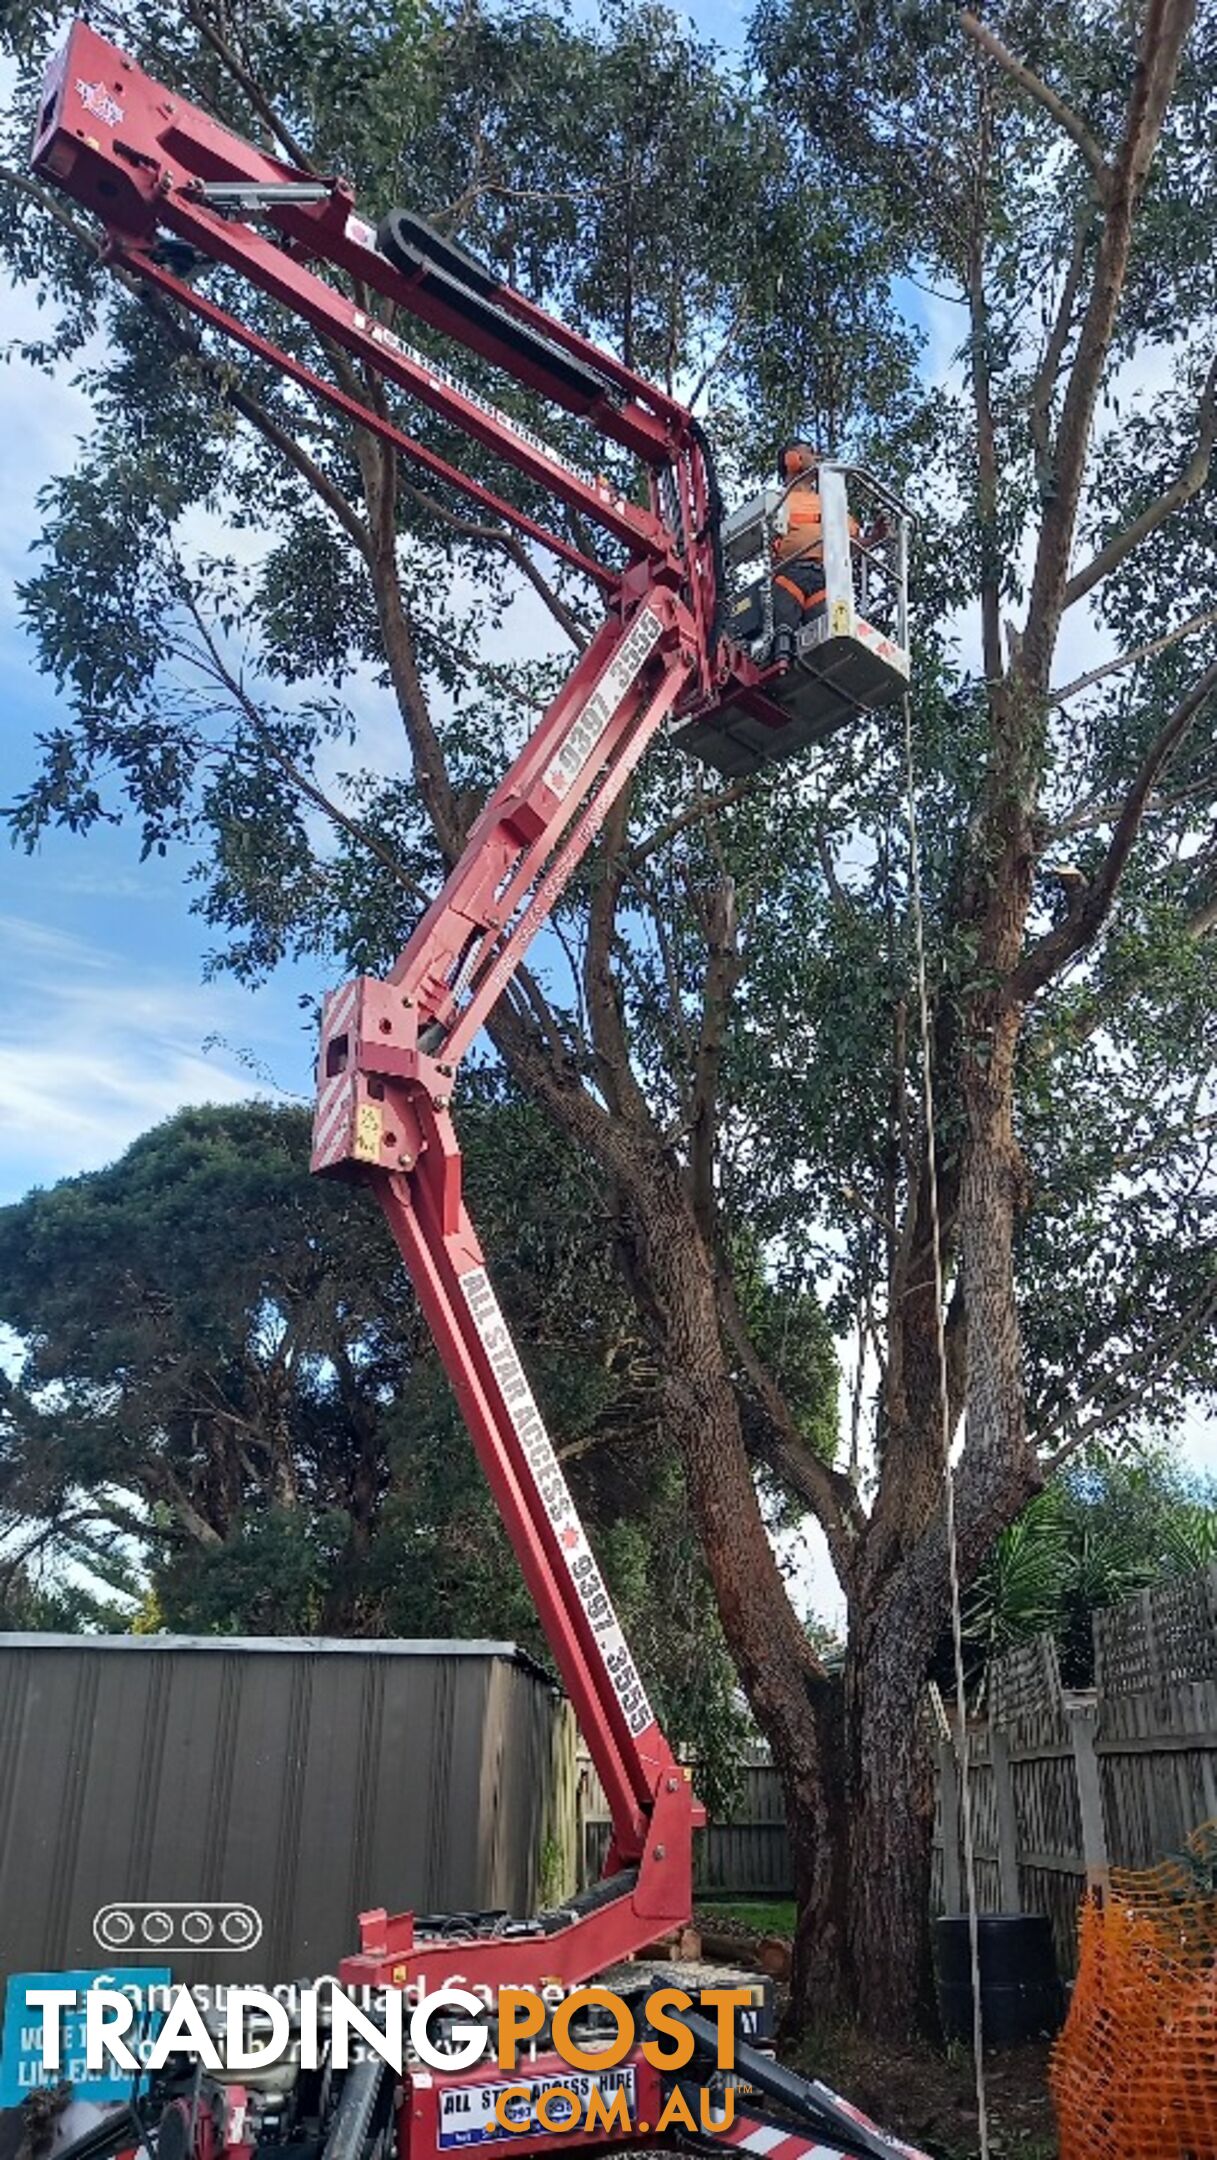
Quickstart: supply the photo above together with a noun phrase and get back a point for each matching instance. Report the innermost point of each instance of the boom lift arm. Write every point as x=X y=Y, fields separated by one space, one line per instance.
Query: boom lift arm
x=177 y=191
x=151 y=165
x=383 y=1104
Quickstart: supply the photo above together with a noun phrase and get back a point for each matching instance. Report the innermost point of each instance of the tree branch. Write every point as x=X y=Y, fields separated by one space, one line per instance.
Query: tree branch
x=1054 y=351
x=161 y=1482
x=609 y=1043
x=1163 y=32
x=653 y=903
x=1089 y=912
x=308 y=788
x=233 y=390
x=240 y=74
x=378 y=470
x=1136 y=1374
x=1164 y=1142
x=712 y=367
x=224 y=375
x=1180 y=492
x=703 y=806
x=723 y=969
x=296 y=455
x=986 y=431
x=827 y=1492
x=1190 y=628
x=513 y=546
x=1077 y=1028
x=532 y=998
x=54 y=208
x=542 y=1062
x=1041 y=94
x=1090 y=815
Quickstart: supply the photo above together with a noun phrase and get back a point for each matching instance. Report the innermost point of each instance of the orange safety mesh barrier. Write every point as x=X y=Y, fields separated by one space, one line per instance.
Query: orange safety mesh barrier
x=1134 y=2073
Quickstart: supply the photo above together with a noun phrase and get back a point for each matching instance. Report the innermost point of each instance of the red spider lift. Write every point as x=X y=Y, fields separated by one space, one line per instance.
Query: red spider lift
x=177 y=193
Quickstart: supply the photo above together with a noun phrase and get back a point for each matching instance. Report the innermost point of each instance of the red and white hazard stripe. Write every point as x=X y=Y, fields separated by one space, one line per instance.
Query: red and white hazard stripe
x=332 y=1120
x=776 y=2143
x=335 y=1094
x=338 y=1010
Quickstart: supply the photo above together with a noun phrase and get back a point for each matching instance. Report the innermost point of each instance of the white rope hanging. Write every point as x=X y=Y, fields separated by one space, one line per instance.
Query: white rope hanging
x=948 y=1468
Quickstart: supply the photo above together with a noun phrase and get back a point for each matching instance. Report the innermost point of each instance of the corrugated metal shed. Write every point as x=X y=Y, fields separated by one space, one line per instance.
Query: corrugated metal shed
x=308 y=1778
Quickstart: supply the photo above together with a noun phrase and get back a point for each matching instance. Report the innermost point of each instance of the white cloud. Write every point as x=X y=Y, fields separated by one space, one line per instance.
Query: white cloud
x=45 y=418
x=111 y=885
x=93 y=1050
x=27 y=943
x=78 y=1110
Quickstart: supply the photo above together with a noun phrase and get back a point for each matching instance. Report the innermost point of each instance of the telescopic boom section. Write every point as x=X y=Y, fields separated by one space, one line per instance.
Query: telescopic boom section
x=389 y=1051
x=151 y=165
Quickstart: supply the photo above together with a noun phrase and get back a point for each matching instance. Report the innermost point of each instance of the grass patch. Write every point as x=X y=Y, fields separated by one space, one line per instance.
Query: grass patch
x=761 y=1916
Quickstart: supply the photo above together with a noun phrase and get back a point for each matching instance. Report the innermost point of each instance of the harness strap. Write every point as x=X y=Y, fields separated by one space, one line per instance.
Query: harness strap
x=805 y=600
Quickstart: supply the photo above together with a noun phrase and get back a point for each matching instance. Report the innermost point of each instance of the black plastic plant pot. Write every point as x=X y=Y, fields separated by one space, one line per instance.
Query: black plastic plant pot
x=1021 y=1997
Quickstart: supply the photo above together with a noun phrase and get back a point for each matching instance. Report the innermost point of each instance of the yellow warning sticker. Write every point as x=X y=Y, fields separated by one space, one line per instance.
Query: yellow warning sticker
x=367 y=1132
x=841 y=612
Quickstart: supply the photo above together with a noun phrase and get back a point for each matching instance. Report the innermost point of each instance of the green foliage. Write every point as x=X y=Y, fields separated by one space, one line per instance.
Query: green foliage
x=794 y=235
x=28 y=1606
x=627 y=175
x=551 y=1885
x=230 y=1413
x=1101 y=1531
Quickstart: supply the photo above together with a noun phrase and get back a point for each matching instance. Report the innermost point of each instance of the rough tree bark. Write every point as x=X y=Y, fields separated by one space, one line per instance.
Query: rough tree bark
x=852 y=1758
x=897 y=1577
x=903 y=1562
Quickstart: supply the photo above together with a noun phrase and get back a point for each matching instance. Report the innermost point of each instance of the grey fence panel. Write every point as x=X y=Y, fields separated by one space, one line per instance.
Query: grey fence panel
x=309 y=1779
x=747 y=1855
x=748 y=1859
x=1118 y=1781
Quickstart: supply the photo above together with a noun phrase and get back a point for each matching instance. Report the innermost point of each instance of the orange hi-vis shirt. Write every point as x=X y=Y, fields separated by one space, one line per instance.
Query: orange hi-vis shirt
x=804 y=534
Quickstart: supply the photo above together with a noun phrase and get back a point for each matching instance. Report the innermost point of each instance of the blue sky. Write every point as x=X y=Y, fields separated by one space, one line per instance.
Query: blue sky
x=107 y=1023
x=104 y=1017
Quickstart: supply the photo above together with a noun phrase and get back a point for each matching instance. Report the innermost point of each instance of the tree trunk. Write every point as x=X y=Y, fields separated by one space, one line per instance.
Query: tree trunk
x=793 y=1702
x=890 y=1808
x=817 y=1824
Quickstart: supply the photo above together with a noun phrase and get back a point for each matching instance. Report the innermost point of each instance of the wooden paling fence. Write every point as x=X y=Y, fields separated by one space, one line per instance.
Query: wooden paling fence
x=748 y=1855
x=1066 y=1785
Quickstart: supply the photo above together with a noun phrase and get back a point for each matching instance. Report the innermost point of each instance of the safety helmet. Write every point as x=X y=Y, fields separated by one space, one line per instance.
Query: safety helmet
x=796 y=457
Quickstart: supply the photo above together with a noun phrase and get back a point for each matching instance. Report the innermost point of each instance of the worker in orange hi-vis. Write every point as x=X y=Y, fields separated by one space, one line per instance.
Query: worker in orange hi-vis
x=798 y=578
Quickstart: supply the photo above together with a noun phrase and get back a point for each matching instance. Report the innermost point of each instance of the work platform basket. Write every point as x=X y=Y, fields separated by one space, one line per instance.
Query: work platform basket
x=850 y=653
